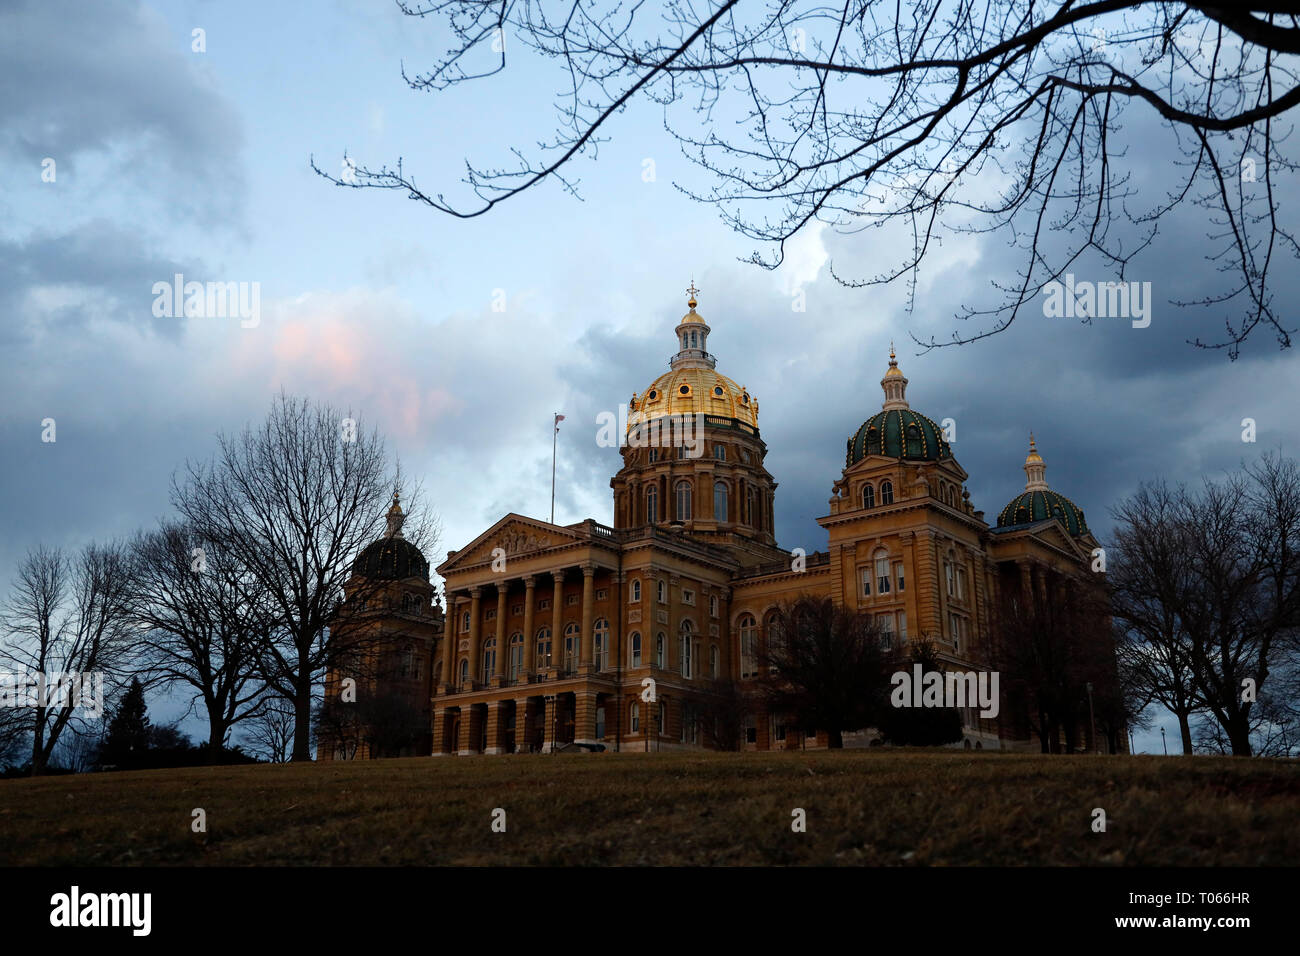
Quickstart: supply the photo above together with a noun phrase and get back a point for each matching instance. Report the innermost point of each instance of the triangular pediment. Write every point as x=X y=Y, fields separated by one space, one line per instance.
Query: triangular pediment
x=514 y=534
x=1051 y=533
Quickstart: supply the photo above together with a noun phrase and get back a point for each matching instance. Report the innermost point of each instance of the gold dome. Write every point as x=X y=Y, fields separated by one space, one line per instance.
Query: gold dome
x=706 y=391
x=692 y=385
x=894 y=371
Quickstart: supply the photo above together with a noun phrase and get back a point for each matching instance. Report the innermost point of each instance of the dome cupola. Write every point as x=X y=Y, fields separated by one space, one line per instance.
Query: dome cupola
x=897 y=431
x=1038 y=502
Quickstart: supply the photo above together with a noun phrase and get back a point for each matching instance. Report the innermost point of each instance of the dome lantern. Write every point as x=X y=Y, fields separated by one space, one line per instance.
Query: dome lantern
x=692 y=338
x=895 y=384
x=395 y=517
x=1035 y=468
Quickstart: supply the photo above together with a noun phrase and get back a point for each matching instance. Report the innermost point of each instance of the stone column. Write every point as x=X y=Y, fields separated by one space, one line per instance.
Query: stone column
x=549 y=727
x=911 y=582
x=525 y=712
x=475 y=619
x=439 y=731
x=451 y=641
x=495 y=728
x=588 y=612
x=471 y=729
x=584 y=717
x=530 y=639
x=670 y=632
x=500 y=670
x=557 y=620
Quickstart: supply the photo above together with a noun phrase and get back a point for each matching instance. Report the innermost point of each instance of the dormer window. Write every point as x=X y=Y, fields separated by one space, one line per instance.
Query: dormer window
x=653 y=395
x=717 y=391
x=685 y=390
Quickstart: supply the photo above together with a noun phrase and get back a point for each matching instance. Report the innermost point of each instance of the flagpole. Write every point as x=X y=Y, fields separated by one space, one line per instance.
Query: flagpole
x=554 y=435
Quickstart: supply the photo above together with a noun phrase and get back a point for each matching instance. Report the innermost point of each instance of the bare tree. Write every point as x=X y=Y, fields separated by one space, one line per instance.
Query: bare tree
x=1148 y=570
x=931 y=118
x=1232 y=594
x=824 y=665
x=269 y=731
x=205 y=622
x=292 y=502
x=69 y=618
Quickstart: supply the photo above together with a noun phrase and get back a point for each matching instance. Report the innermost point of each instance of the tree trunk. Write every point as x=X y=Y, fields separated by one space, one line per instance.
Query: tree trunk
x=302 y=722
x=38 y=743
x=1185 y=730
x=1239 y=735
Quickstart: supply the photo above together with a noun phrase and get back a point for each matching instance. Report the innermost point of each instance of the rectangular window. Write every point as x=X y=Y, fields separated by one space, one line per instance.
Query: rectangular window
x=948 y=573
x=961 y=583
x=492 y=614
x=882 y=575
x=571 y=600
x=902 y=626
x=866 y=582
x=543 y=604
x=898 y=575
x=886 y=624
x=780 y=733
x=517 y=609
x=688 y=596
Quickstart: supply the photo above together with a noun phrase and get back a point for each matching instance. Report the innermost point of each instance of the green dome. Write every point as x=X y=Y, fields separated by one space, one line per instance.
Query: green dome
x=1031 y=506
x=898 y=433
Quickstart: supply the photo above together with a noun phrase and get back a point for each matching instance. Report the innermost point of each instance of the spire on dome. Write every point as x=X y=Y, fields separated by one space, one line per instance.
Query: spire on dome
x=894 y=383
x=395 y=517
x=1035 y=468
x=692 y=337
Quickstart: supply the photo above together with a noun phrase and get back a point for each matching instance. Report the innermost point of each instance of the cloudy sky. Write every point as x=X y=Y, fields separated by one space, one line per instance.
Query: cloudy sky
x=172 y=161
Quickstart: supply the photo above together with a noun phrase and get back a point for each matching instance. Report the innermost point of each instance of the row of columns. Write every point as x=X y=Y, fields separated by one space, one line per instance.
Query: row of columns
x=489 y=721
x=585 y=651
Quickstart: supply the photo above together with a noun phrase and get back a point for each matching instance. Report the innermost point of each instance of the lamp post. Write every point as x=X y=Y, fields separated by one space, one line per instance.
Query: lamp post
x=1164 y=742
x=550 y=701
x=1092 y=719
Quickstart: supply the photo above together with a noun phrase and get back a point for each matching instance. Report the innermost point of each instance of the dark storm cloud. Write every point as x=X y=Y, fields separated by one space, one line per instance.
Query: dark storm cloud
x=103 y=270
x=105 y=77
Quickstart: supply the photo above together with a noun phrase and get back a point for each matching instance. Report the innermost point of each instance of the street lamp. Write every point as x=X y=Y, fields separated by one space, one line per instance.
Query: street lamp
x=1163 y=742
x=1092 y=719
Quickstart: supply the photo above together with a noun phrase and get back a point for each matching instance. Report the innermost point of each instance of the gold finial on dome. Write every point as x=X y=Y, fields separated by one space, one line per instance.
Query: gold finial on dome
x=395 y=517
x=1035 y=468
x=692 y=292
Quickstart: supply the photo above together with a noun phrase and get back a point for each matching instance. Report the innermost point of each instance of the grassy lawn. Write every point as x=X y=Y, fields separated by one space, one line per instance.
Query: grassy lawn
x=874 y=808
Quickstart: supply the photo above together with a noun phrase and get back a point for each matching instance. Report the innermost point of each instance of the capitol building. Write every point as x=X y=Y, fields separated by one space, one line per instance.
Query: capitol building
x=550 y=630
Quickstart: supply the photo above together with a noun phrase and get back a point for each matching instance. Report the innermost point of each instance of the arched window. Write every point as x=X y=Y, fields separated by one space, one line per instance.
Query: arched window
x=714 y=658
x=489 y=660
x=636 y=716
x=634 y=649
x=775 y=640
x=873 y=441
x=686 y=642
x=407 y=602
x=883 y=584
x=683 y=489
x=661 y=651
x=748 y=628
x=516 y=655
x=600 y=643
x=543 y=658
x=720 y=501
x=464 y=671
x=464 y=623
x=663 y=592
x=868 y=496
x=652 y=502
x=913 y=441
x=886 y=492
x=635 y=597
x=570 y=646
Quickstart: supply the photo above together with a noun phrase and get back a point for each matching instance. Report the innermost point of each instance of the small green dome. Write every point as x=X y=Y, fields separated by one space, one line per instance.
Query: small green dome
x=1031 y=506
x=898 y=433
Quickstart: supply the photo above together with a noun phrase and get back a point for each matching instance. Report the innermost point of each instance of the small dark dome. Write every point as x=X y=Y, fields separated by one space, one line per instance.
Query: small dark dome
x=898 y=433
x=1032 y=506
x=391 y=558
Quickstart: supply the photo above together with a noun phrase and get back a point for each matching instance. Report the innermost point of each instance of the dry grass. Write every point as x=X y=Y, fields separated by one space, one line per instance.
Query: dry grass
x=874 y=808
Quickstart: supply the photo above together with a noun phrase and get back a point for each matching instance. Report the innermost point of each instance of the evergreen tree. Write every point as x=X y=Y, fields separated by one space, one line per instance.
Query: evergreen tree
x=127 y=743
